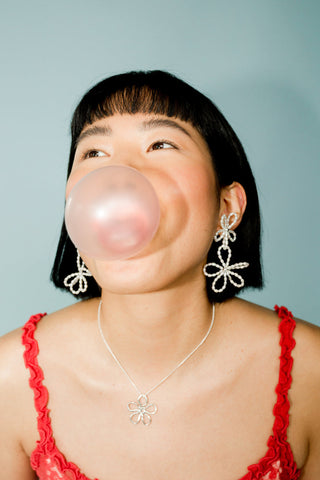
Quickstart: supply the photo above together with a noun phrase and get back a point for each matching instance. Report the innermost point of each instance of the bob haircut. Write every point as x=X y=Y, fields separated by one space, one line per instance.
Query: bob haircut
x=162 y=93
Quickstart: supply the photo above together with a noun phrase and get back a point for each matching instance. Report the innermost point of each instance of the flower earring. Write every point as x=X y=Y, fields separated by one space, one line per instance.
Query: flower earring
x=78 y=277
x=225 y=270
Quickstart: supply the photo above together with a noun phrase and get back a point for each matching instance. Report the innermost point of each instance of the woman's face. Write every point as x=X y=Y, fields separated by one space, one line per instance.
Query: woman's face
x=176 y=160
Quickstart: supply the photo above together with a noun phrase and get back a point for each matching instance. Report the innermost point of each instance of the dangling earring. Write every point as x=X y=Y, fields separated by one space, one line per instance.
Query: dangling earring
x=79 y=277
x=225 y=270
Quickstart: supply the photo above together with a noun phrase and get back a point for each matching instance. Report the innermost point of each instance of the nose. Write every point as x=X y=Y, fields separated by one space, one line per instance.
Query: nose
x=128 y=159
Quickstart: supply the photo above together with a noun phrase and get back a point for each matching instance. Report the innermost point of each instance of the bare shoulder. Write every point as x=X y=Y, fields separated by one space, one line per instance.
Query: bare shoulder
x=306 y=352
x=59 y=324
x=15 y=399
x=14 y=382
x=306 y=373
x=304 y=394
x=259 y=317
x=12 y=369
x=14 y=376
x=18 y=418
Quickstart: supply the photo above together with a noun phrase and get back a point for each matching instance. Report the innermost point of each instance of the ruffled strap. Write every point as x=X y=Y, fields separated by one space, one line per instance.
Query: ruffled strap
x=46 y=443
x=288 y=469
x=46 y=459
x=279 y=463
x=287 y=343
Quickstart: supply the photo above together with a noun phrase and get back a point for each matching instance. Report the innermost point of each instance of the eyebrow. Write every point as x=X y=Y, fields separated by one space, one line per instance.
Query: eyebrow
x=146 y=125
x=163 y=122
x=94 y=130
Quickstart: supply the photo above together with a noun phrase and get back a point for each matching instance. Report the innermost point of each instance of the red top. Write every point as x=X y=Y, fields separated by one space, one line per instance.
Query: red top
x=278 y=463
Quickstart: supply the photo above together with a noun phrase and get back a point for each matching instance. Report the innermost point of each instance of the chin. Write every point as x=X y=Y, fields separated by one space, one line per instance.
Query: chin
x=130 y=287
x=131 y=276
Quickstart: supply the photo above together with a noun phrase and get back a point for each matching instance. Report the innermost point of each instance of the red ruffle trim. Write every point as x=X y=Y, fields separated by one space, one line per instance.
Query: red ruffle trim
x=278 y=463
x=46 y=459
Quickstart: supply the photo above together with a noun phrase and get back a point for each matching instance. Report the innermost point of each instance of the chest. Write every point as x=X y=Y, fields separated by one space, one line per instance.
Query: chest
x=208 y=431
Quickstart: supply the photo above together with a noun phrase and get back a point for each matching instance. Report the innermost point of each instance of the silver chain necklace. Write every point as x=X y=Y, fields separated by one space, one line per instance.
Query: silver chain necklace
x=142 y=409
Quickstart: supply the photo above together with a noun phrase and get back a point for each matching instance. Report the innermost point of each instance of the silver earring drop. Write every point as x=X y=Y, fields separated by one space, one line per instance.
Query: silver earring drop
x=78 y=277
x=225 y=270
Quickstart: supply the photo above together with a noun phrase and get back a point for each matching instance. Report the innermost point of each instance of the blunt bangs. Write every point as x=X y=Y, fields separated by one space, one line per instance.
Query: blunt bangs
x=155 y=92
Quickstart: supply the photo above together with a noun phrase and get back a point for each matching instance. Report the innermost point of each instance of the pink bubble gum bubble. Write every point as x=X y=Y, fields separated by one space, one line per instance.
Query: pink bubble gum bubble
x=112 y=213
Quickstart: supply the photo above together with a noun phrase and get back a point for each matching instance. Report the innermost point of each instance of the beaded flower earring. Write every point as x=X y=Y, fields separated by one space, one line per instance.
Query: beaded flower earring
x=225 y=270
x=78 y=277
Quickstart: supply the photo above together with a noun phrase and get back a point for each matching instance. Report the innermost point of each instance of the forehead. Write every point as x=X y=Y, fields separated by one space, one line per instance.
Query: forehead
x=141 y=122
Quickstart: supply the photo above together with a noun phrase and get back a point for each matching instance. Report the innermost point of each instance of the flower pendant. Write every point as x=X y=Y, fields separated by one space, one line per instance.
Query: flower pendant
x=142 y=410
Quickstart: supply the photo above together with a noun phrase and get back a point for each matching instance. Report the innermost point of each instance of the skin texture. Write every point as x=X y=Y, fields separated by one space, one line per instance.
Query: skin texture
x=215 y=412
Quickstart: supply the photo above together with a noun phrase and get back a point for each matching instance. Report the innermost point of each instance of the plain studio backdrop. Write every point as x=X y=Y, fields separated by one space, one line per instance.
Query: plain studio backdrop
x=258 y=61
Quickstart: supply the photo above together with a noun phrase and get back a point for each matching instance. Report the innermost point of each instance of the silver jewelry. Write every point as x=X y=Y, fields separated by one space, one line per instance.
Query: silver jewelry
x=79 y=277
x=142 y=409
x=225 y=270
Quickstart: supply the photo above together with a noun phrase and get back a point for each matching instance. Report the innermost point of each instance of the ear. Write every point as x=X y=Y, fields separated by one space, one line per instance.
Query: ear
x=233 y=199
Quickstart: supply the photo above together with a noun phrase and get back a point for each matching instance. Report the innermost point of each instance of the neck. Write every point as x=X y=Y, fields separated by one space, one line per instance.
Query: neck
x=151 y=333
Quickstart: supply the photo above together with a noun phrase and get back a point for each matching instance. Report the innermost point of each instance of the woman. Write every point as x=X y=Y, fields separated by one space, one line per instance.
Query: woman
x=160 y=371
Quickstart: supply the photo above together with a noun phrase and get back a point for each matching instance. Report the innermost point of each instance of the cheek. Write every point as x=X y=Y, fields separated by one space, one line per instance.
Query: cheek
x=195 y=210
x=200 y=191
x=203 y=206
x=74 y=178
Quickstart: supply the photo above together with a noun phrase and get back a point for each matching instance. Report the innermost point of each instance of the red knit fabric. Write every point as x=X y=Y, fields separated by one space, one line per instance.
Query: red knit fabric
x=278 y=463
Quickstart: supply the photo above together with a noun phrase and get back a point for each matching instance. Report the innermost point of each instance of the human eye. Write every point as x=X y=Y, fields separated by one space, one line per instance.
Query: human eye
x=93 y=153
x=162 y=145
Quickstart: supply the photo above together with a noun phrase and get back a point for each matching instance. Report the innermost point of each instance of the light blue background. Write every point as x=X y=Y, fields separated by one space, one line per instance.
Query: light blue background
x=259 y=62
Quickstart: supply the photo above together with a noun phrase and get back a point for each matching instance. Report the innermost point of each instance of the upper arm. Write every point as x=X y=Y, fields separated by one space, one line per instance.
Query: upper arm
x=14 y=461
x=311 y=398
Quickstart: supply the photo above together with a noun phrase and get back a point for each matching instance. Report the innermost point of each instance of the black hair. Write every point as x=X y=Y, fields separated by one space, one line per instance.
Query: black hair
x=160 y=92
